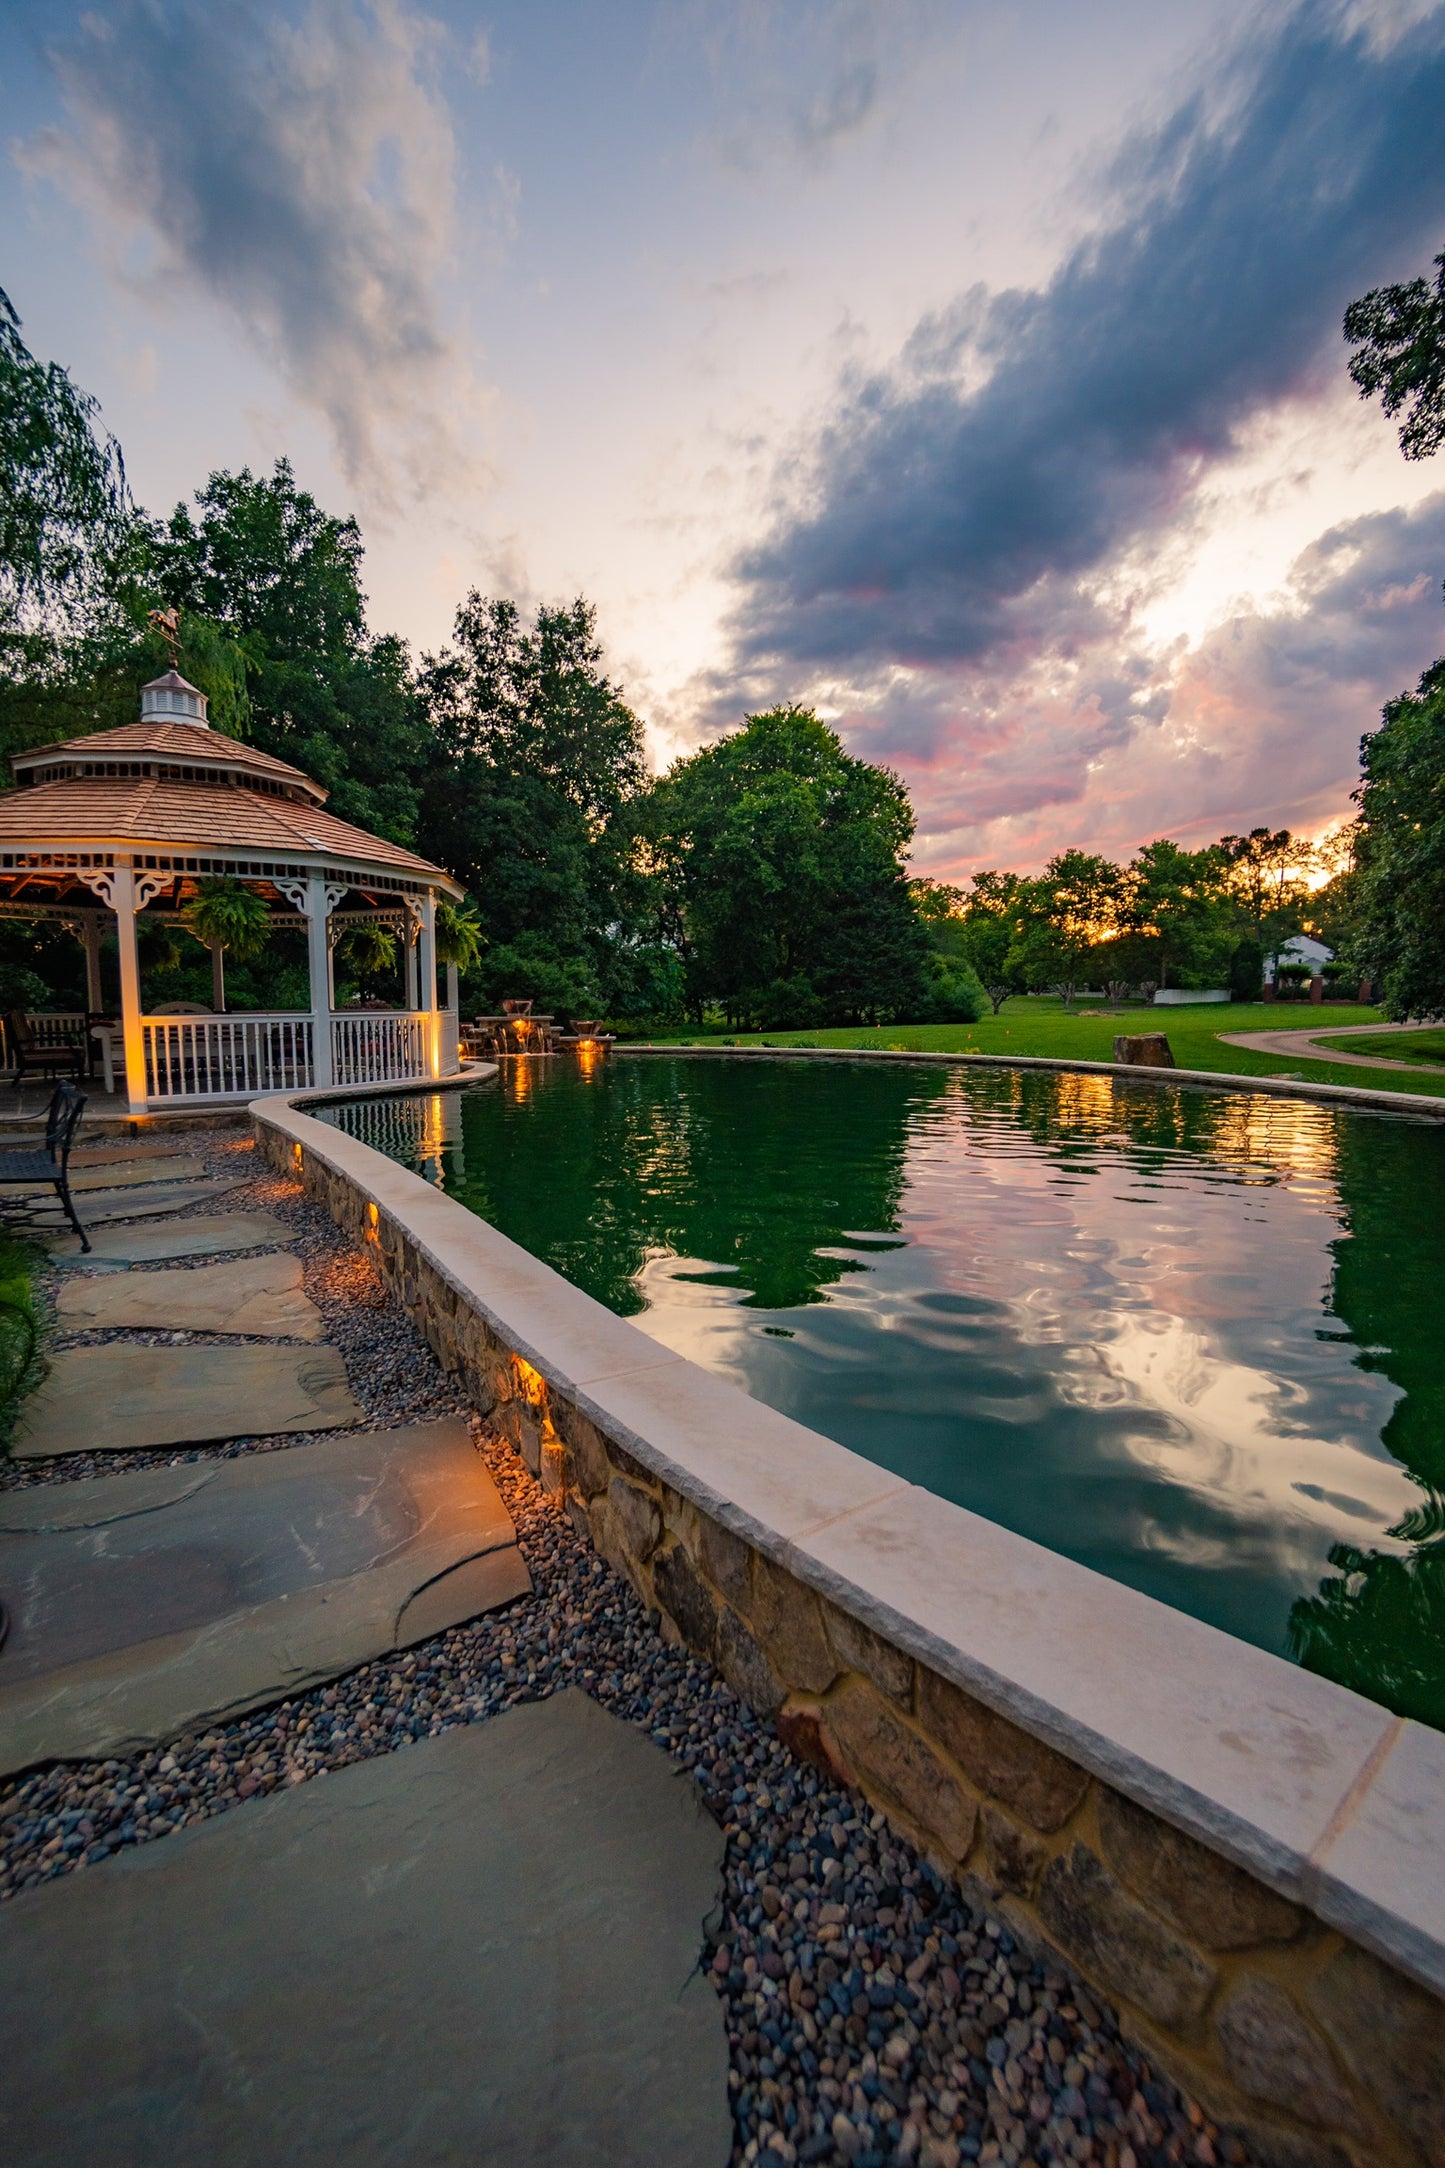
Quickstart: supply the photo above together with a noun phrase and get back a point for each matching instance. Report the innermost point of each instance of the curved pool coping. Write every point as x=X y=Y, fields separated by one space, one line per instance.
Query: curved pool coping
x=1314 y=1792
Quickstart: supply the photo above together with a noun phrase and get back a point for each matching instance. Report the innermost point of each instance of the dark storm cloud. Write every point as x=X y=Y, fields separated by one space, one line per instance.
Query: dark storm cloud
x=1027 y=441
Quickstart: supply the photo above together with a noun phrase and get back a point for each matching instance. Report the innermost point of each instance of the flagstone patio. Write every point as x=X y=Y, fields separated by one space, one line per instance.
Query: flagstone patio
x=482 y=1949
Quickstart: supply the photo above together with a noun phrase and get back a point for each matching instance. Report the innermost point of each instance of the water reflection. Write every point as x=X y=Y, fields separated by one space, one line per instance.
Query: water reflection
x=1184 y=1337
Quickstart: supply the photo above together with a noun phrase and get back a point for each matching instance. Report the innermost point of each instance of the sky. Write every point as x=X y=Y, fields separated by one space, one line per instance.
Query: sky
x=971 y=372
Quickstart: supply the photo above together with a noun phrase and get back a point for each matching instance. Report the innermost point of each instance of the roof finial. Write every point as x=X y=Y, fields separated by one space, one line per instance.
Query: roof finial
x=168 y=624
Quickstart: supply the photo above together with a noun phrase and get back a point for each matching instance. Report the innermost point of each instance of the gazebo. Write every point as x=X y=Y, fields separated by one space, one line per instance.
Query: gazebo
x=123 y=824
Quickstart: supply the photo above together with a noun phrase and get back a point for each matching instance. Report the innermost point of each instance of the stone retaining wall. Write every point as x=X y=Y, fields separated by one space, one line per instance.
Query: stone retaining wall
x=1245 y=1860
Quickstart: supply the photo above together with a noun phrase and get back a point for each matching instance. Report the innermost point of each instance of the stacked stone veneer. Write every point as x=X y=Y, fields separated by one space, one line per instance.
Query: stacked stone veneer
x=1312 y=2047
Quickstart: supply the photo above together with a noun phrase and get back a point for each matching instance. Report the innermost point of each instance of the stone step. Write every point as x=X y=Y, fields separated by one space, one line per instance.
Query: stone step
x=258 y=1295
x=122 y=1398
x=208 y=1234
x=163 y=1599
x=100 y=1155
x=112 y=1176
x=483 y=1948
x=147 y=1202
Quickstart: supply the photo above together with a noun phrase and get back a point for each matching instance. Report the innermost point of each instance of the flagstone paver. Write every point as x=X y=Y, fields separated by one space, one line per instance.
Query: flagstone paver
x=101 y=1155
x=207 y=1234
x=123 y=1398
x=145 y=1202
x=258 y=1295
x=149 y=1603
x=113 y=1175
x=482 y=1949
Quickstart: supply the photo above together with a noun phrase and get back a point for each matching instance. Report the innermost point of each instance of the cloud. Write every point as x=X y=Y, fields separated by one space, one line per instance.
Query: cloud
x=976 y=503
x=1259 y=719
x=796 y=84
x=299 y=171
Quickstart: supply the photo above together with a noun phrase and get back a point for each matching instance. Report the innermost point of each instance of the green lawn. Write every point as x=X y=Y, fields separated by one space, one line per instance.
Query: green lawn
x=1398 y=1045
x=17 y=1320
x=1039 y=1024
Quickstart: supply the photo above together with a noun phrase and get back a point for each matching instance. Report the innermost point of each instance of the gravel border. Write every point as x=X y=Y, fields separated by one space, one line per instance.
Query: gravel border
x=874 y=2013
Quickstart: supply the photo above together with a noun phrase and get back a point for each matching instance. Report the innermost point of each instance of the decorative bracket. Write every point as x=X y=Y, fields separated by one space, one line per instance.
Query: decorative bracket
x=101 y=881
x=298 y=895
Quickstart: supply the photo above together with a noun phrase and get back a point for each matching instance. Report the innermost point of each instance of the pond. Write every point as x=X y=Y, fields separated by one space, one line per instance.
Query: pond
x=1190 y=1338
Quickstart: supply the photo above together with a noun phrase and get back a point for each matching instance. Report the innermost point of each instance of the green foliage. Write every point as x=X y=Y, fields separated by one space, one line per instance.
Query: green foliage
x=280 y=580
x=1173 y=917
x=534 y=968
x=64 y=505
x=1398 y=333
x=533 y=759
x=369 y=950
x=1400 y=852
x=460 y=939
x=18 y=1261
x=1246 y=971
x=224 y=914
x=1264 y=874
x=992 y=919
x=1063 y=916
x=772 y=863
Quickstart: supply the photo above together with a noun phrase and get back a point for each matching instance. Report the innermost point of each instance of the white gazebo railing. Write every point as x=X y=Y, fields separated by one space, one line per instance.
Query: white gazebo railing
x=226 y=1057
x=376 y=1048
x=239 y=1056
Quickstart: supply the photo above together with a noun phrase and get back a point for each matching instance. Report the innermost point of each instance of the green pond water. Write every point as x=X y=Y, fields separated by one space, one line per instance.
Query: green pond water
x=1190 y=1338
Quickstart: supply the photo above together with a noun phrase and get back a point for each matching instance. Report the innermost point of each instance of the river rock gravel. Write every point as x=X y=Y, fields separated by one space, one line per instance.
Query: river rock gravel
x=874 y=2013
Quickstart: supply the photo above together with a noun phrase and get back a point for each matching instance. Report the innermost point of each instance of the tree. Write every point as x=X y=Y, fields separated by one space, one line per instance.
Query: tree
x=280 y=580
x=1064 y=915
x=990 y=922
x=64 y=504
x=1398 y=333
x=1171 y=913
x=1400 y=852
x=776 y=861
x=534 y=761
x=1264 y=873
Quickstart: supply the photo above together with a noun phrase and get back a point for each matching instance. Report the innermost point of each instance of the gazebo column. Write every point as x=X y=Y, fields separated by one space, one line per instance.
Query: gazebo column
x=126 y=903
x=427 y=960
x=413 y=976
x=90 y=936
x=318 y=957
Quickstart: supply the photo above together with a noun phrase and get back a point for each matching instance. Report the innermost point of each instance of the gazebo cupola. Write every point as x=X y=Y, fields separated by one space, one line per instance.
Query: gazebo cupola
x=170 y=699
x=127 y=822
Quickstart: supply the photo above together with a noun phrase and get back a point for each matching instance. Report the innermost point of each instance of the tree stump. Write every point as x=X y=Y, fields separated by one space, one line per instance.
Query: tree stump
x=1143 y=1050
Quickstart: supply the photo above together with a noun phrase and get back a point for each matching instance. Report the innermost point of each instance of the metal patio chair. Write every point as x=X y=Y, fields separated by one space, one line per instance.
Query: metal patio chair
x=51 y=1162
x=45 y=1056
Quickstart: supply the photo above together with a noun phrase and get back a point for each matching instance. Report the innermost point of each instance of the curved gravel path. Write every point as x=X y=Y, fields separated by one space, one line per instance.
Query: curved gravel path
x=874 y=2014
x=1290 y=1043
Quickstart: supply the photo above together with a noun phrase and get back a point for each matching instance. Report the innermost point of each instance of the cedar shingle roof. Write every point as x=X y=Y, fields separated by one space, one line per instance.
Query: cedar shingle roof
x=189 y=743
x=153 y=811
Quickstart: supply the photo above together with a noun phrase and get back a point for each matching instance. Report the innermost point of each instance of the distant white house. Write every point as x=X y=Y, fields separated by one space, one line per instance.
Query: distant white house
x=1302 y=949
